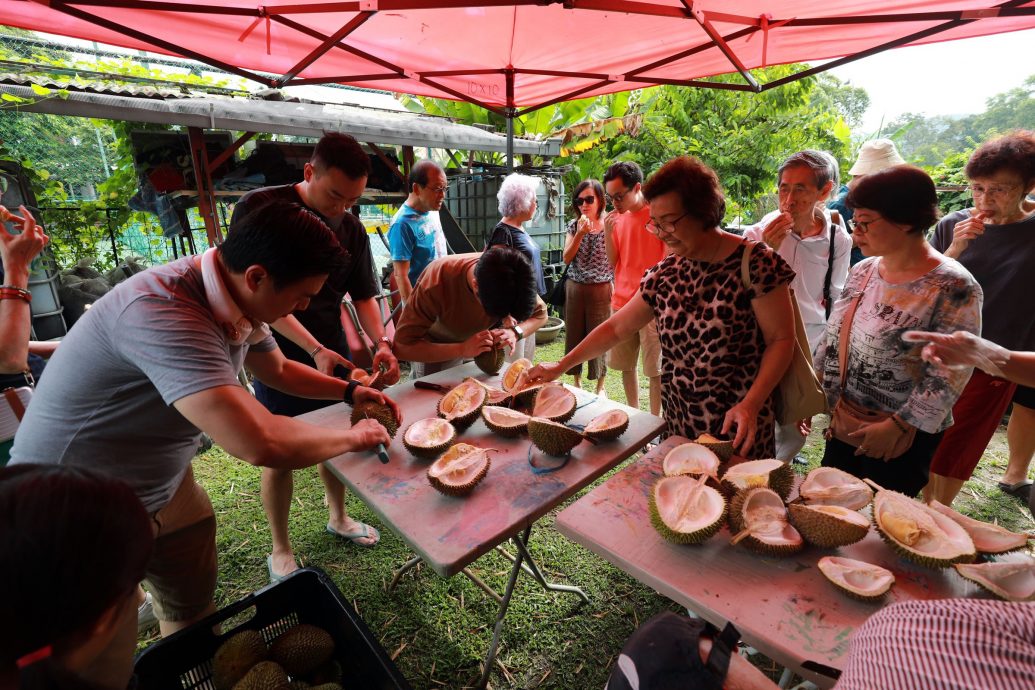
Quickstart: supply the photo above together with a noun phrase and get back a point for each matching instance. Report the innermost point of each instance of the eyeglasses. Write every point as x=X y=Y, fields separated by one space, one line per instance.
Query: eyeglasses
x=438 y=190
x=863 y=226
x=659 y=227
x=616 y=198
x=991 y=190
x=585 y=200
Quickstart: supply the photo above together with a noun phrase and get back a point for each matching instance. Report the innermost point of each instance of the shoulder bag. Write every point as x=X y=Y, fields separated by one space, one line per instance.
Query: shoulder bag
x=558 y=293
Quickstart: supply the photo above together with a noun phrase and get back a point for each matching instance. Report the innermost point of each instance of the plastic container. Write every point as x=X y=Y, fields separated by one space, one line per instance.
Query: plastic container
x=48 y=321
x=184 y=661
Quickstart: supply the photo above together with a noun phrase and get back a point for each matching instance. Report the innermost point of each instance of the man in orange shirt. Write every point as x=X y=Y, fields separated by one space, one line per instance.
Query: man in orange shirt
x=631 y=250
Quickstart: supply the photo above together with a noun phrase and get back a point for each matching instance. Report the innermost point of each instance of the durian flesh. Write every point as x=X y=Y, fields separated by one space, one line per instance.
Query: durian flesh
x=770 y=473
x=459 y=469
x=920 y=533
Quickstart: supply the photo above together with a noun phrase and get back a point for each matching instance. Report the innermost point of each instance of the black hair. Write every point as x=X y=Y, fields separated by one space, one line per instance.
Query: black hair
x=73 y=544
x=419 y=173
x=506 y=283
x=287 y=239
x=598 y=191
x=903 y=194
x=341 y=151
x=697 y=186
x=1014 y=152
x=627 y=171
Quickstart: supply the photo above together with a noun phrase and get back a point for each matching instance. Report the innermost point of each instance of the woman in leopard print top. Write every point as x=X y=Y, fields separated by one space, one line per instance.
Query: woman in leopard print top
x=724 y=346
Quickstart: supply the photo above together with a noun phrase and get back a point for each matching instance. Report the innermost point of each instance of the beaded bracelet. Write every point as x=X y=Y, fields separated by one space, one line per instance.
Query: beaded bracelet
x=13 y=292
x=316 y=351
x=900 y=425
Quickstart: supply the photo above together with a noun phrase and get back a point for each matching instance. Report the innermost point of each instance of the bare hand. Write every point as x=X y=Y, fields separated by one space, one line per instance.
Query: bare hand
x=368 y=433
x=744 y=416
x=364 y=394
x=960 y=350
x=805 y=427
x=610 y=219
x=504 y=337
x=965 y=231
x=386 y=363
x=878 y=440
x=775 y=232
x=477 y=344
x=547 y=371
x=18 y=251
x=327 y=359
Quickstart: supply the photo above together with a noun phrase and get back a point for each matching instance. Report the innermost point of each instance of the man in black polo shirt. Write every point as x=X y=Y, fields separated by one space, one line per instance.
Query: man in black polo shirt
x=334 y=180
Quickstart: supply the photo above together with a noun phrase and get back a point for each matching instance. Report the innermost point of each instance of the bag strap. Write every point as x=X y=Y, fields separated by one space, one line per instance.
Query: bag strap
x=846 y=324
x=828 y=303
x=723 y=645
x=745 y=264
x=15 y=403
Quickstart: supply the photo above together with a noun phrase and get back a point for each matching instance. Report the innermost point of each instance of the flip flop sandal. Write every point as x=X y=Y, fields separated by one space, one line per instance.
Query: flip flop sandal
x=274 y=577
x=363 y=533
x=1021 y=489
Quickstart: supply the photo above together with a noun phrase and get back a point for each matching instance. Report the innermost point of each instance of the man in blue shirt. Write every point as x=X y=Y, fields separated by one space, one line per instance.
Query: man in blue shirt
x=416 y=237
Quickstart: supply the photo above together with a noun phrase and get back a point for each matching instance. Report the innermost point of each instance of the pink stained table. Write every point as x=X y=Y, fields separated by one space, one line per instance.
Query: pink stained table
x=783 y=607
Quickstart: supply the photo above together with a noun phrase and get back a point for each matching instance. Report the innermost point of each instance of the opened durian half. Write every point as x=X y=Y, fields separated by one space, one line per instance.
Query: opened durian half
x=758 y=519
x=857 y=579
x=514 y=376
x=771 y=473
x=686 y=511
x=552 y=437
x=607 y=426
x=1013 y=580
x=721 y=447
x=428 y=438
x=459 y=469
x=828 y=526
x=690 y=458
x=987 y=538
x=461 y=405
x=554 y=402
x=505 y=421
x=830 y=486
x=920 y=533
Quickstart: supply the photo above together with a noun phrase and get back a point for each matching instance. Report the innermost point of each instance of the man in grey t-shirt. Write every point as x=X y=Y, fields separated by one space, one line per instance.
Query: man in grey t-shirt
x=155 y=362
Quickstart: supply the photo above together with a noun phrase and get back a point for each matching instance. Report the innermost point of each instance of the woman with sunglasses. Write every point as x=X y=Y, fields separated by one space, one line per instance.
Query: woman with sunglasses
x=995 y=241
x=587 y=302
x=889 y=407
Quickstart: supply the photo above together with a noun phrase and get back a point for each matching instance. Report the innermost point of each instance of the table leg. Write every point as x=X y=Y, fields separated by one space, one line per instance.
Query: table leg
x=406 y=567
x=490 y=656
x=533 y=569
x=482 y=585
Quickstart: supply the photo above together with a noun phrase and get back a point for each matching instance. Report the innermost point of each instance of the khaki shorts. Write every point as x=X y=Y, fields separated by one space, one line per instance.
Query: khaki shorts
x=623 y=355
x=181 y=574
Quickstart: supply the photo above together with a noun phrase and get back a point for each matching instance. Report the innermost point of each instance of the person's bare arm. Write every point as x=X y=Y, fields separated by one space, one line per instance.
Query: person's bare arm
x=43 y=348
x=609 y=240
x=572 y=242
x=17 y=253
x=402 y=279
x=370 y=319
x=325 y=358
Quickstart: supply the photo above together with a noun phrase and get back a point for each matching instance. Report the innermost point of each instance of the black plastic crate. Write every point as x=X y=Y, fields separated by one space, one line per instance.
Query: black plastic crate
x=184 y=661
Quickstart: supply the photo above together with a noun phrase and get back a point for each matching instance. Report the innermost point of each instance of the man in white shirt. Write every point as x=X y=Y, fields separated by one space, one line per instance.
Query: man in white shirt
x=817 y=247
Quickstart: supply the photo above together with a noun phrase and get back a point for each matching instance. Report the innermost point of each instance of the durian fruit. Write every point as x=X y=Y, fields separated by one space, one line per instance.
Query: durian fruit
x=686 y=511
x=298 y=685
x=265 y=675
x=690 y=458
x=1012 y=580
x=493 y=395
x=235 y=656
x=551 y=437
x=857 y=579
x=721 y=447
x=607 y=426
x=758 y=518
x=327 y=686
x=328 y=672
x=828 y=526
x=525 y=397
x=368 y=409
x=505 y=421
x=769 y=473
x=514 y=376
x=461 y=405
x=491 y=361
x=554 y=402
x=920 y=533
x=302 y=649
x=459 y=469
x=833 y=487
x=367 y=379
x=428 y=438
x=987 y=538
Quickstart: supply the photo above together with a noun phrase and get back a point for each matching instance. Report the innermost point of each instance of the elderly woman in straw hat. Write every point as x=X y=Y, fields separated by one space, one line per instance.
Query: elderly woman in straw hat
x=874 y=155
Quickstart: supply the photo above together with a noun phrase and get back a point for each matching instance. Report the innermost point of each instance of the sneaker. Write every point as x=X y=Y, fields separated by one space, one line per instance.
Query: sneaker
x=799 y=460
x=146 y=614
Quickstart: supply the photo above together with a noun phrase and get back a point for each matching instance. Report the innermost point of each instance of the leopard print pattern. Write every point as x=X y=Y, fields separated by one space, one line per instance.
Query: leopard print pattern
x=711 y=343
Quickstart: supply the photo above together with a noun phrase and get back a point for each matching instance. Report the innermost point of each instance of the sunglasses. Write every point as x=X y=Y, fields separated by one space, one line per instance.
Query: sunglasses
x=585 y=200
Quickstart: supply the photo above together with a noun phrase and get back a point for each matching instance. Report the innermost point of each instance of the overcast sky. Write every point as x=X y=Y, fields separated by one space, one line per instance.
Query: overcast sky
x=949 y=78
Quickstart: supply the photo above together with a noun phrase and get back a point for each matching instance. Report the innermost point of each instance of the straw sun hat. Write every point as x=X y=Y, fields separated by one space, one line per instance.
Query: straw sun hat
x=876 y=155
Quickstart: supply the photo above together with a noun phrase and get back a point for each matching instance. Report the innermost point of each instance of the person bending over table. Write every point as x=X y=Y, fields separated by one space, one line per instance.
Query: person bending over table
x=155 y=362
x=724 y=345
x=899 y=405
x=466 y=304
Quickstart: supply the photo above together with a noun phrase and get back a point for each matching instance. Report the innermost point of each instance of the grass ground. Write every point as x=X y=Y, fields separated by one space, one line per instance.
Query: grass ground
x=437 y=630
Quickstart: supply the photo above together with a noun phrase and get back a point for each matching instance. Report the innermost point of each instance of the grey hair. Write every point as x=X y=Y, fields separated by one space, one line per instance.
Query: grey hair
x=516 y=194
x=823 y=166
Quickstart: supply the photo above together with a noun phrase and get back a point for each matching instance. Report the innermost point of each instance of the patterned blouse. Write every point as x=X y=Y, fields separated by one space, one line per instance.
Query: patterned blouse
x=590 y=263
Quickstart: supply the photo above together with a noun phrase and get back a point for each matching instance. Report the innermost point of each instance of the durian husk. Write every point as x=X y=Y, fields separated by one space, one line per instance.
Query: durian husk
x=491 y=361
x=830 y=566
x=779 y=478
x=513 y=378
x=828 y=527
x=429 y=451
x=508 y=431
x=987 y=538
x=607 y=426
x=909 y=527
x=368 y=409
x=525 y=397
x=835 y=487
x=721 y=447
x=739 y=527
x=1010 y=580
x=552 y=437
x=553 y=393
x=459 y=456
x=469 y=397
x=693 y=491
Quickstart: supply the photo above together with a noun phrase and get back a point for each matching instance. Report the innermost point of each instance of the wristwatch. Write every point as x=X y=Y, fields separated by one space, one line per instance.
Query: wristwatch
x=384 y=339
x=518 y=331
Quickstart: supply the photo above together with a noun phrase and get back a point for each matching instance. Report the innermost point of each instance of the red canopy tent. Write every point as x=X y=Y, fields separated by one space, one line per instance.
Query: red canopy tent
x=514 y=56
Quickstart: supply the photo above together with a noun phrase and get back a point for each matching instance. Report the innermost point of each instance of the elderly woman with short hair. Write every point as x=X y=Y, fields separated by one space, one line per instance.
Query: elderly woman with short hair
x=889 y=407
x=517 y=205
x=725 y=345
